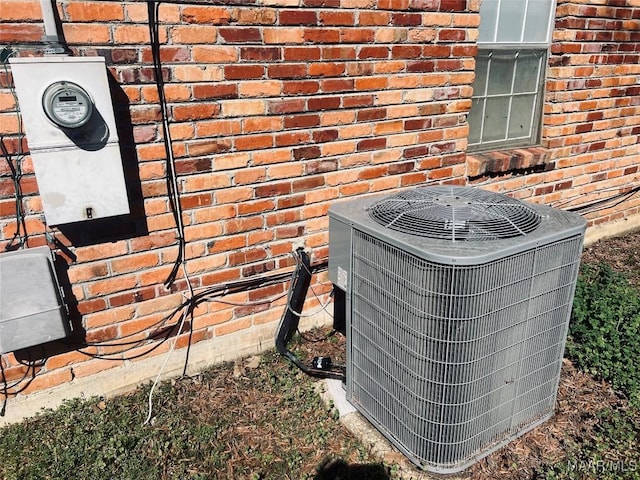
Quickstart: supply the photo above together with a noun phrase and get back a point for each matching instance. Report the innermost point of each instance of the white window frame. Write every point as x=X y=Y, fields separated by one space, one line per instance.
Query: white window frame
x=494 y=45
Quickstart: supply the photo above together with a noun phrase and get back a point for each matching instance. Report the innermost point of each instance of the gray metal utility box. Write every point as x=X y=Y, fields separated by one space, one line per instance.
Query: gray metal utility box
x=31 y=308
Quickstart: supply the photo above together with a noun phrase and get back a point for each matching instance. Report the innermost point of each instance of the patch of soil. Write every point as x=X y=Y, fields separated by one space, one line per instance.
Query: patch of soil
x=622 y=253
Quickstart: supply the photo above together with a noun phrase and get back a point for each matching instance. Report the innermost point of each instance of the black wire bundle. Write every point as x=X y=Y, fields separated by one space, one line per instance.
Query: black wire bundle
x=14 y=162
x=605 y=203
x=165 y=331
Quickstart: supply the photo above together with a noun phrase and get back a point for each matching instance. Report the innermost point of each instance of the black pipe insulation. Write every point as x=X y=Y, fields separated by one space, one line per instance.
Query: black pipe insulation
x=300 y=282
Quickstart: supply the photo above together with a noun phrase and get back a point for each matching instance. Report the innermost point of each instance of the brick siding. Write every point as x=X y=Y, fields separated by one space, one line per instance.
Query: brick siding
x=279 y=108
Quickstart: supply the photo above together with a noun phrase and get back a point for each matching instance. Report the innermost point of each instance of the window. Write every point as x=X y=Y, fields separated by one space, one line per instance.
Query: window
x=513 y=44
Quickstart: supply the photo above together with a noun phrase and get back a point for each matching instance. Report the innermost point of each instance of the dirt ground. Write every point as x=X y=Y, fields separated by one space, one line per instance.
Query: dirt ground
x=623 y=253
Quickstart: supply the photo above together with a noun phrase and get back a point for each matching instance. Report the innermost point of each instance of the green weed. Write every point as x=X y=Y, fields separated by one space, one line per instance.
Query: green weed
x=605 y=328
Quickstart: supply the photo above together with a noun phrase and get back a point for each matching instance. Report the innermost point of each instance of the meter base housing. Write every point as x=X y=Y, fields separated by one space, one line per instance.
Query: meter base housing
x=78 y=170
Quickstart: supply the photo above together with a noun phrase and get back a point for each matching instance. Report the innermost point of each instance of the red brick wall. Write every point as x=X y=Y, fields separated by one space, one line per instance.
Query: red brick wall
x=592 y=115
x=276 y=110
x=591 y=132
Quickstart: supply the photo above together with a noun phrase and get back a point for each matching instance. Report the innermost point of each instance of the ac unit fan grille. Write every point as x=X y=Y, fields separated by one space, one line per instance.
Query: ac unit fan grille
x=455 y=213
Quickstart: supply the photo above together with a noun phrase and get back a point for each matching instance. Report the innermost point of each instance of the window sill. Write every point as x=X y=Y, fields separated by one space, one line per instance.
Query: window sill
x=502 y=162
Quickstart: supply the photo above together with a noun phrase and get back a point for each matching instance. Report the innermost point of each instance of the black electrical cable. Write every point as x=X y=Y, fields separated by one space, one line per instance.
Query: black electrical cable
x=189 y=340
x=153 y=347
x=15 y=167
x=604 y=203
x=5 y=390
x=6 y=387
x=16 y=175
x=190 y=304
x=172 y=192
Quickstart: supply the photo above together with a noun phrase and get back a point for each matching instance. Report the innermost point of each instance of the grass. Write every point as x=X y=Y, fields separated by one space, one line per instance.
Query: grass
x=603 y=336
x=261 y=418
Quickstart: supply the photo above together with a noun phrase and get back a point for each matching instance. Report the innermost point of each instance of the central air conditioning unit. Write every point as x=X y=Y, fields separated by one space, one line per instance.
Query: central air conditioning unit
x=457 y=308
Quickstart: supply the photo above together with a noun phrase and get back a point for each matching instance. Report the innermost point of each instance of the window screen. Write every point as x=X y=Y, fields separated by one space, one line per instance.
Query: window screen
x=514 y=38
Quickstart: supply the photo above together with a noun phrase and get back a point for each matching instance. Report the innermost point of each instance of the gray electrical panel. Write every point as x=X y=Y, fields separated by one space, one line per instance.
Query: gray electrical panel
x=31 y=308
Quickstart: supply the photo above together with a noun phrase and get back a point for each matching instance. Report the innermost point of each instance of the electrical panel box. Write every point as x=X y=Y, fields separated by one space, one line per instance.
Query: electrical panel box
x=32 y=311
x=70 y=125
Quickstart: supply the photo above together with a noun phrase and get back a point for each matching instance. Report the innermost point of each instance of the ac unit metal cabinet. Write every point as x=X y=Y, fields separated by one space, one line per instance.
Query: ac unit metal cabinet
x=458 y=303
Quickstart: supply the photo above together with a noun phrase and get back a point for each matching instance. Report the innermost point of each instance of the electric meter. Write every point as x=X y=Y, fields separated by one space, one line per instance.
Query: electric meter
x=68 y=116
x=67 y=105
